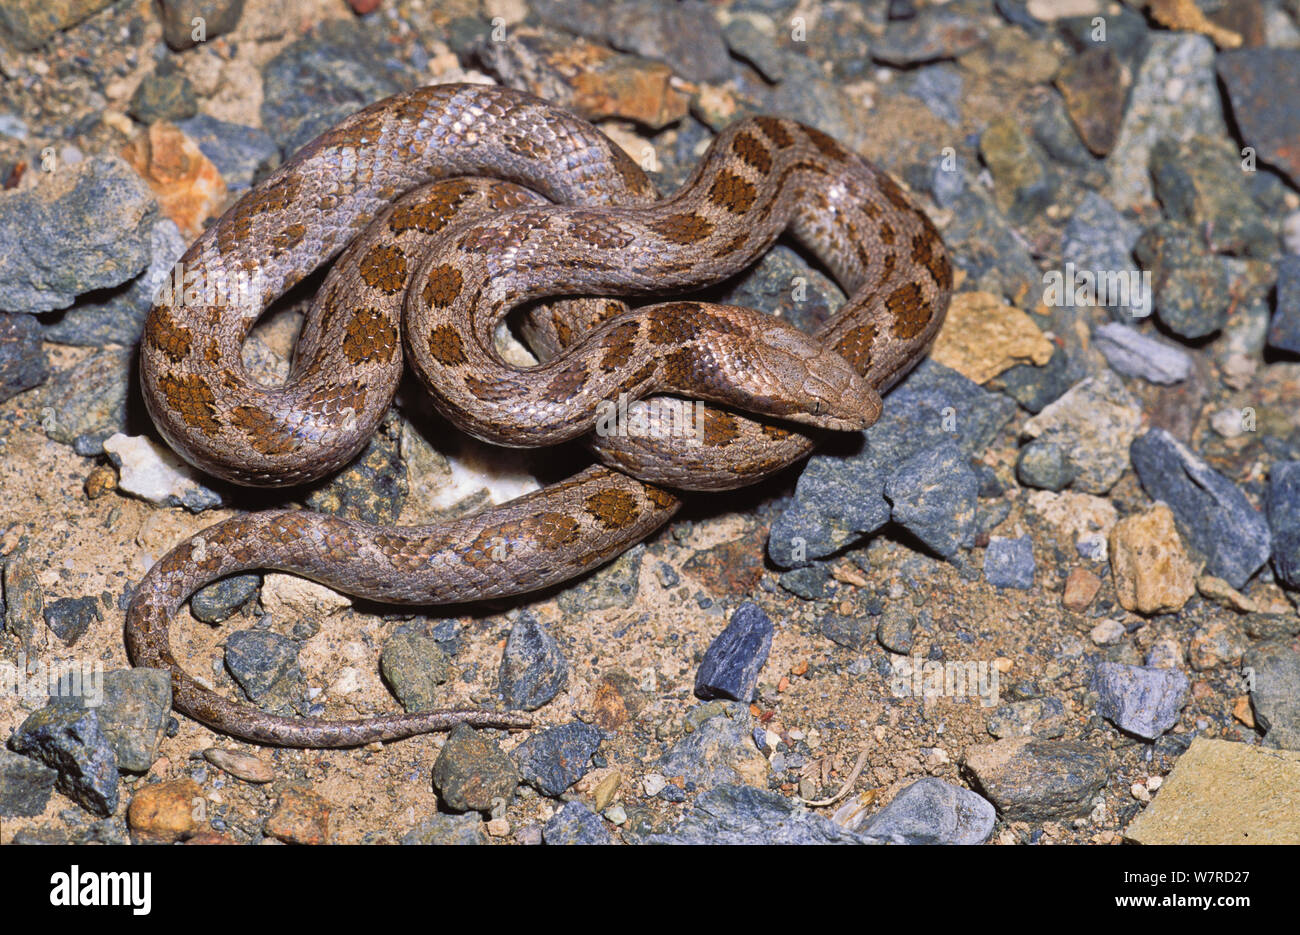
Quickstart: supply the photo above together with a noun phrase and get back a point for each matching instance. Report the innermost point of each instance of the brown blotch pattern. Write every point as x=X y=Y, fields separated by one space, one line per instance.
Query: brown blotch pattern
x=662 y=499
x=443 y=286
x=754 y=153
x=887 y=233
x=190 y=397
x=431 y=214
x=613 y=509
x=855 y=346
x=826 y=145
x=775 y=131
x=924 y=254
x=683 y=228
x=720 y=428
x=910 y=312
x=384 y=268
x=165 y=334
x=290 y=237
x=263 y=432
x=369 y=336
x=556 y=530
x=446 y=347
x=731 y=246
x=619 y=345
x=732 y=192
x=566 y=384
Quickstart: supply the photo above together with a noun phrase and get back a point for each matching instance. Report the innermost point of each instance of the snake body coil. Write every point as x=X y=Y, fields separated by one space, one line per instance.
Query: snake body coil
x=451 y=206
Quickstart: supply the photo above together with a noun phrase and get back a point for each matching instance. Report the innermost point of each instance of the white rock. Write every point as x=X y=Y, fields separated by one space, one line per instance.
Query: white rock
x=1107 y=632
x=151 y=472
x=348 y=682
x=653 y=784
x=1049 y=10
x=288 y=597
x=1228 y=422
x=1135 y=354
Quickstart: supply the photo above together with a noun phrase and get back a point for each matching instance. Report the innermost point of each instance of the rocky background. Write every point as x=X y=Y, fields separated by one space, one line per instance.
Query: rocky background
x=1097 y=506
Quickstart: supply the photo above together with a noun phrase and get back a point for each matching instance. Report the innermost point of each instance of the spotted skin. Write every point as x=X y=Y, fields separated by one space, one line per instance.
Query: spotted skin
x=451 y=206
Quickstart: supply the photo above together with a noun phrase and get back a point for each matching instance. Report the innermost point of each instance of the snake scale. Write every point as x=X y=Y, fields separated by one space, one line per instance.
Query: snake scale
x=447 y=208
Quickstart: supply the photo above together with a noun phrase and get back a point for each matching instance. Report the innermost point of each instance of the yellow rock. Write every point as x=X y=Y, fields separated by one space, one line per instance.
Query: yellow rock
x=1225 y=793
x=1152 y=572
x=983 y=336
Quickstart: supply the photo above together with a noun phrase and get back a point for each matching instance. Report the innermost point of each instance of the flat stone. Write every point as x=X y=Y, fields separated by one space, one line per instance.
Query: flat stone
x=152 y=472
x=1039 y=780
x=219 y=601
x=933 y=496
x=472 y=774
x=575 y=823
x=1135 y=354
x=718 y=748
x=88 y=400
x=931 y=811
x=1263 y=85
x=1284 y=520
x=555 y=758
x=740 y=814
x=447 y=829
x=68 y=739
x=25 y=785
x=1272 y=672
x=1098 y=416
x=29 y=23
x=1093 y=85
x=1009 y=563
x=1224 y=793
x=414 y=665
x=983 y=336
x=1214 y=513
x=1285 y=331
x=934 y=34
x=219 y=17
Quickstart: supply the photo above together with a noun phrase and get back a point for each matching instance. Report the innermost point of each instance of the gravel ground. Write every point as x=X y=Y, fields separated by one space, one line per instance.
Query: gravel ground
x=1054 y=589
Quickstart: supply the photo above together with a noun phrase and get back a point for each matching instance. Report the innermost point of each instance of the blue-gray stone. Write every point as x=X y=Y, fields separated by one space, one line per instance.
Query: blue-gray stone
x=1272 y=671
x=241 y=154
x=933 y=494
x=22 y=357
x=89 y=229
x=1285 y=332
x=68 y=739
x=1135 y=354
x=1142 y=700
x=808 y=582
x=555 y=758
x=261 y=660
x=841 y=497
x=576 y=824
x=217 y=602
x=737 y=814
x=1284 y=518
x=25 y=785
x=1009 y=563
x=70 y=617
x=447 y=829
x=1213 y=512
x=931 y=811
x=533 y=668
x=733 y=660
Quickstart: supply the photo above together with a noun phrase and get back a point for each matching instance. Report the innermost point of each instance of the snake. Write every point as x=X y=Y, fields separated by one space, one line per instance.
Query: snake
x=454 y=211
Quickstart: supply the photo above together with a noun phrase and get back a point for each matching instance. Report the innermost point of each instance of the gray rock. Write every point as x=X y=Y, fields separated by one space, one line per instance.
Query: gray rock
x=136 y=709
x=265 y=665
x=219 y=17
x=22 y=358
x=68 y=739
x=718 y=750
x=1039 y=780
x=472 y=774
x=1200 y=183
x=373 y=488
x=685 y=35
x=1139 y=355
x=1098 y=237
x=738 y=814
x=70 y=617
x=23 y=602
x=1192 y=298
x=165 y=94
x=1141 y=700
x=1098 y=416
x=1033 y=717
x=850 y=632
x=553 y=759
x=533 y=668
x=895 y=630
x=809 y=582
x=88 y=400
x=933 y=496
x=447 y=829
x=1263 y=85
x=219 y=601
x=1273 y=676
x=1009 y=563
x=1284 y=519
x=931 y=811
x=1033 y=387
x=25 y=785
x=1175 y=93
x=939 y=87
x=613 y=587
x=117 y=317
x=414 y=665
x=735 y=657
x=334 y=71
x=29 y=23
x=1211 y=510
x=575 y=823
x=241 y=154
x=935 y=34
x=87 y=228
x=1285 y=331
x=841 y=498
x=1045 y=466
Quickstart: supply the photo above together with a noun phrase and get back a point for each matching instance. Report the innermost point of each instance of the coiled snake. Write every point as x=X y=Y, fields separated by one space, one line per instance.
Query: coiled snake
x=457 y=204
